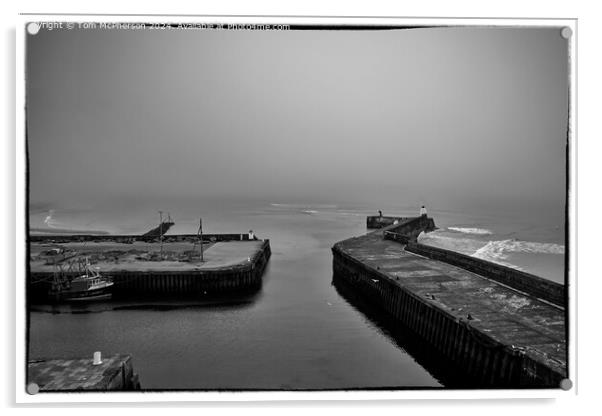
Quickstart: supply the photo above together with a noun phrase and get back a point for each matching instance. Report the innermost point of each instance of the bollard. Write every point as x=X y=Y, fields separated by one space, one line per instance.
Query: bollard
x=97 y=358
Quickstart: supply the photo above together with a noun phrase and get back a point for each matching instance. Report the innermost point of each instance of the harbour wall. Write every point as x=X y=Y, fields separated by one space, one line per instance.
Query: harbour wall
x=409 y=229
x=115 y=373
x=43 y=238
x=525 y=282
x=485 y=361
x=242 y=277
x=376 y=221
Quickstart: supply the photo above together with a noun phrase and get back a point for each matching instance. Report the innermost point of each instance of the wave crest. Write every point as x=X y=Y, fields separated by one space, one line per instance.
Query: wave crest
x=467 y=230
x=497 y=251
x=49 y=220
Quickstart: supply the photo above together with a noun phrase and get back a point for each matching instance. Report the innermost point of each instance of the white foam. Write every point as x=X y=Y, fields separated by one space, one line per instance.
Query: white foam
x=495 y=251
x=498 y=251
x=466 y=230
x=461 y=245
x=310 y=211
x=49 y=221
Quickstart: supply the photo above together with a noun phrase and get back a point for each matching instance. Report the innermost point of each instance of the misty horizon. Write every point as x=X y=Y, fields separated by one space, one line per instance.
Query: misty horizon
x=447 y=117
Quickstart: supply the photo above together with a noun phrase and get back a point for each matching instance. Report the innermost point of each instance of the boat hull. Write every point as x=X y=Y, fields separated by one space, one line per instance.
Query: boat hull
x=87 y=297
x=101 y=293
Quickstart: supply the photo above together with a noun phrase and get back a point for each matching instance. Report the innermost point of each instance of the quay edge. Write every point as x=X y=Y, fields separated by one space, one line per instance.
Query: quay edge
x=114 y=373
x=244 y=276
x=495 y=335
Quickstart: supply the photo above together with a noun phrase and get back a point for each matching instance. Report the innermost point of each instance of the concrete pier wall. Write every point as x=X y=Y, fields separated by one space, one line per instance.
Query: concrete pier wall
x=525 y=282
x=497 y=335
x=409 y=229
x=484 y=360
x=115 y=373
x=376 y=221
x=241 y=277
x=130 y=238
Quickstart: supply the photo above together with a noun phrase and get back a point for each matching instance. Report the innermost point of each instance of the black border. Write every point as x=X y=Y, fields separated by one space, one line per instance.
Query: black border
x=314 y=27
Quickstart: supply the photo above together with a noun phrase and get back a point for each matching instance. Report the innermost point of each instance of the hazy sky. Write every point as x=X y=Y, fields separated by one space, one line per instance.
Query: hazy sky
x=447 y=116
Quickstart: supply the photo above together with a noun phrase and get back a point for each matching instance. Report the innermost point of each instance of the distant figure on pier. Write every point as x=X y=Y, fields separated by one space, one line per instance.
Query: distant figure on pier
x=380 y=213
x=423 y=211
x=251 y=235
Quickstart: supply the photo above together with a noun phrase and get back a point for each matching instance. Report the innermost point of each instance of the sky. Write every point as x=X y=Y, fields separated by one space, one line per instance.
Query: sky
x=448 y=117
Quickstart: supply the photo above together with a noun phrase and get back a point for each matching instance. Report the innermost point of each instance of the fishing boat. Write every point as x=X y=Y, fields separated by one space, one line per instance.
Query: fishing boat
x=89 y=286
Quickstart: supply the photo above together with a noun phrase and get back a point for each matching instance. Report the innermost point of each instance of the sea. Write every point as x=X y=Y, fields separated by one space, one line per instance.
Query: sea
x=299 y=331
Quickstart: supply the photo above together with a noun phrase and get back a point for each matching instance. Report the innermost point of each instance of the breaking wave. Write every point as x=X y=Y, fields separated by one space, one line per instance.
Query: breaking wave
x=498 y=251
x=477 y=231
x=49 y=221
x=462 y=245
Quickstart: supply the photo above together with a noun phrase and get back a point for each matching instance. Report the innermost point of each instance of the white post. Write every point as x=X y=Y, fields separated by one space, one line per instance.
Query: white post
x=97 y=358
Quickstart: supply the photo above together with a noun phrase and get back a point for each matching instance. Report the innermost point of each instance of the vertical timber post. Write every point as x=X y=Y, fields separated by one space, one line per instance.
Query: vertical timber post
x=161 y=232
x=201 y=237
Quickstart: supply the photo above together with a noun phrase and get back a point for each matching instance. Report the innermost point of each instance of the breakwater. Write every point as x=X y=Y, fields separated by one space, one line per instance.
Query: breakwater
x=115 y=373
x=517 y=279
x=235 y=266
x=130 y=238
x=493 y=334
x=378 y=221
x=409 y=229
x=158 y=231
x=245 y=276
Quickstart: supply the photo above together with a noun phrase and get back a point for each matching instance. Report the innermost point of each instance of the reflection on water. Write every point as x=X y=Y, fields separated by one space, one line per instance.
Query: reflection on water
x=150 y=304
x=440 y=367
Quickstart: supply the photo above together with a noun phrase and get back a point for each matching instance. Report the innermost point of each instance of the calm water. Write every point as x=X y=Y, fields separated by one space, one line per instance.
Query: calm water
x=298 y=331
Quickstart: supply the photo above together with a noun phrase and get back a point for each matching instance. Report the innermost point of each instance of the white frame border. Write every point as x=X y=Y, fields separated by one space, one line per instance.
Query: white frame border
x=157 y=397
